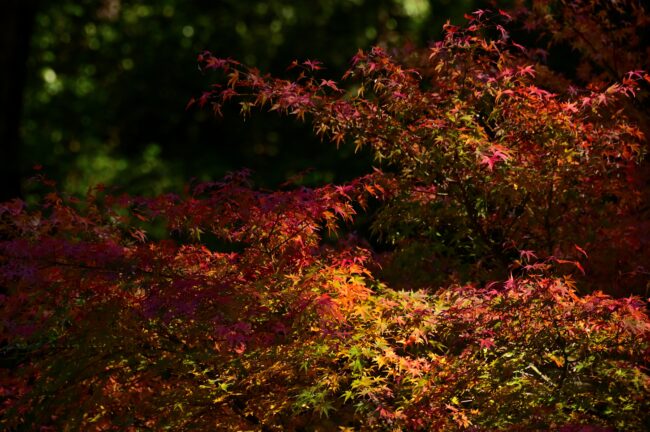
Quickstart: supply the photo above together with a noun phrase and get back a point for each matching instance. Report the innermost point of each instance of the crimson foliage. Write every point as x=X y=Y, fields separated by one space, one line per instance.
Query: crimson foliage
x=253 y=315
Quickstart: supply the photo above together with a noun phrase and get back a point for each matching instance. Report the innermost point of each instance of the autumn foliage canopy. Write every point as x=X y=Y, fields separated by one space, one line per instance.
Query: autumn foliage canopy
x=507 y=201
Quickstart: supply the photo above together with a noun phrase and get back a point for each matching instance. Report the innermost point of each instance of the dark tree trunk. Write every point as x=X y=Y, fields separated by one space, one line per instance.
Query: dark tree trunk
x=16 y=23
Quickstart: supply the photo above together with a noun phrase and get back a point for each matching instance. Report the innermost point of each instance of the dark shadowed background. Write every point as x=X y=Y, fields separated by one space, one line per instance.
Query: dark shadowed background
x=95 y=90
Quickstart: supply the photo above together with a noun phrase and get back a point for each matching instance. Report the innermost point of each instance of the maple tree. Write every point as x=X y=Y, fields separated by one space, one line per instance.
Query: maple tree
x=260 y=311
x=470 y=133
x=603 y=42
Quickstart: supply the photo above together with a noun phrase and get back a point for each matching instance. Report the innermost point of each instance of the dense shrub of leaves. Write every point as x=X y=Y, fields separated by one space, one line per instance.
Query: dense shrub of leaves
x=251 y=314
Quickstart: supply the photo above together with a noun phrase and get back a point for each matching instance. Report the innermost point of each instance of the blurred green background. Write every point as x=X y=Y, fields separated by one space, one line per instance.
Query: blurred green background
x=107 y=81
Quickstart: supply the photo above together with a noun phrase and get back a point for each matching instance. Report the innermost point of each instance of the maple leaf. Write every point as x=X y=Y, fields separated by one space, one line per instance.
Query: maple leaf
x=581 y=250
x=205 y=97
x=505 y=14
x=233 y=78
x=338 y=137
x=526 y=70
x=504 y=33
x=538 y=92
x=527 y=254
x=635 y=74
x=331 y=84
x=500 y=94
x=518 y=46
x=570 y=106
x=479 y=13
x=486 y=343
x=498 y=154
x=574 y=263
x=313 y=64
